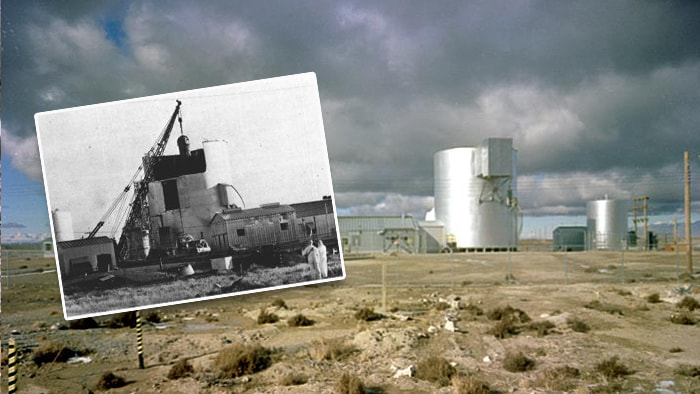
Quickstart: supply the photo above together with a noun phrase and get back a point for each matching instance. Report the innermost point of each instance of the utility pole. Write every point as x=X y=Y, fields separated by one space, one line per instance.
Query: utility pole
x=641 y=203
x=688 y=235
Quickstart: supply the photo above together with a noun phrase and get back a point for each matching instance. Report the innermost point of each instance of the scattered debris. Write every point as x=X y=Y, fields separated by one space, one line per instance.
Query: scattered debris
x=79 y=359
x=407 y=372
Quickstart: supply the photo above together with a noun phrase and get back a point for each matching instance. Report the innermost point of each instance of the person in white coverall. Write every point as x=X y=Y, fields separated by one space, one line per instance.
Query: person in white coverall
x=323 y=262
x=312 y=257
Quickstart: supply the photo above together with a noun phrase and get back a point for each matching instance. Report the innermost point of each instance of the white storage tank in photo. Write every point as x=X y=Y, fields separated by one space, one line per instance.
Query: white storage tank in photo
x=63 y=225
x=607 y=224
x=475 y=196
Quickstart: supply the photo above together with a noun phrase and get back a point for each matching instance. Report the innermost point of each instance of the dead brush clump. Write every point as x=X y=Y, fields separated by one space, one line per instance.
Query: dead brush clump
x=83 y=324
x=683 y=318
x=127 y=319
x=688 y=303
x=299 y=320
x=279 y=303
x=435 y=369
x=612 y=368
x=675 y=349
x=152 y=317
x=108 y=380
x=180 y=369
x=562 y=378
x=601 y=307
x=654 y=298
x=504 y=329
x=508 y=312
x=578 y=325
x=692 y=371
x=238 y=360
x=349 y=384
x=471 y=385
x=542 y=327
x=331 y=349
x=517 y=362
x=49 y=352
x=294 y=379
x=473 y=310
x=264 y=317
x=441 y=306
x=367 y=314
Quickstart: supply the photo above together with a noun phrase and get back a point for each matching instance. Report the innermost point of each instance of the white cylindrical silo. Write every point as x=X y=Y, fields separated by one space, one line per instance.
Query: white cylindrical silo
x=607 y=224
x=470 y=206
x=63 y=225
x=218 y=164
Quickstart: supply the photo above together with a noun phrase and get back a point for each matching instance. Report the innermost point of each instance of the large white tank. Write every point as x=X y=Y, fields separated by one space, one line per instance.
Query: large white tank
x=477 y=209
x=218 y=164
x=63 y=225
x=607 y=224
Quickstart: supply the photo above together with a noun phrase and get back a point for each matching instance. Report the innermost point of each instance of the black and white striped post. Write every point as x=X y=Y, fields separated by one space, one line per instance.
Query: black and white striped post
x=139 y=339
x=12 y=367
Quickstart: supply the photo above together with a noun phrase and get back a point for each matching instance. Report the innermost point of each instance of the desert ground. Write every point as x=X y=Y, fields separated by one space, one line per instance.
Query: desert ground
x=613 y=326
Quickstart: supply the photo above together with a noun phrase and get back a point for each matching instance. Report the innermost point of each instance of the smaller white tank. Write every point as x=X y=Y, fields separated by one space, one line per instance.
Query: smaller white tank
x=607 y=224
x=63 y=225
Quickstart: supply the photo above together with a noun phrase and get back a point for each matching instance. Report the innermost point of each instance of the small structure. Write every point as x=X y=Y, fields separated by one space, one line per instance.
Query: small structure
x=83 y=256
x=432 y=236
x=372 y=234
x=47 y=248
x=569 y=238
x=271 y=224
x=316 y=218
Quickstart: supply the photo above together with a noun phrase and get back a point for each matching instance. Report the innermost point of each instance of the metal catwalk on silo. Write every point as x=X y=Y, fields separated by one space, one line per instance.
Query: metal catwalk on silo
x=475 y=195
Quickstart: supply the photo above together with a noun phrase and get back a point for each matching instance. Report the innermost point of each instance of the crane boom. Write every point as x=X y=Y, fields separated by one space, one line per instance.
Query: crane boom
x=137 y=205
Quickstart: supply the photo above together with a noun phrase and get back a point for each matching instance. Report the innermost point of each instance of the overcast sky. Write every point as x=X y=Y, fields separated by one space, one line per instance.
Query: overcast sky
x=600 y=97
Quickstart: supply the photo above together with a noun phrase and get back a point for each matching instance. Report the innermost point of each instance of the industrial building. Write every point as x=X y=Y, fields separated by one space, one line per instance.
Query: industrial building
x=476 y=207
x=569 y=238
x=83 y=256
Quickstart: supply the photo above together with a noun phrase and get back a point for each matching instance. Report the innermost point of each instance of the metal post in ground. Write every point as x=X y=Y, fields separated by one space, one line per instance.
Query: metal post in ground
x=566 y=266
x=12 y=367
x=678 y=261
x=139 y=339
x=622 y=270
x=384 y=287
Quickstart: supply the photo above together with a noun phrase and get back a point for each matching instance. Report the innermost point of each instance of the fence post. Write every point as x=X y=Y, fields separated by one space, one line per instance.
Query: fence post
x=566 y=265
x=384 y=287
x=139 y=339
x=12 y=367
x=622 y=270
x=678 y=261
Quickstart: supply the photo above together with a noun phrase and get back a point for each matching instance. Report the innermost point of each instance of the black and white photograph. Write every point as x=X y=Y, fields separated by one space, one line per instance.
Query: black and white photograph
x=189 y=196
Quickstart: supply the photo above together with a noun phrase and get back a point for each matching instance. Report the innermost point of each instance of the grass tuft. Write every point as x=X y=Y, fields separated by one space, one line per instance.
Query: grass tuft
x=279 y=303
x=349 y=384
x=504 y=329
x=83 y=324
x=675 y=349
x=654 y=298
x=181 y=369
x=49 y=352
x=367 y=314
x=692 y=371
x=330 y=349
x=435 y=369
x=299 y=321
x=599 y=306
x=294 y=379
x=471 y=385
x=688 y=303
x=542 y=327
x=578 y=325
x=517 y=362
x=264 y=317
x=240 y=360
x=682 y=318
x=612 y=368
x=127 y=319
x=108 y=380
x=508 y=312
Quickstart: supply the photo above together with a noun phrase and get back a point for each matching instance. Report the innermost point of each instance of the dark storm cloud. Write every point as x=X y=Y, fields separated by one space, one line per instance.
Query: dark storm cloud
x=590 y=91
